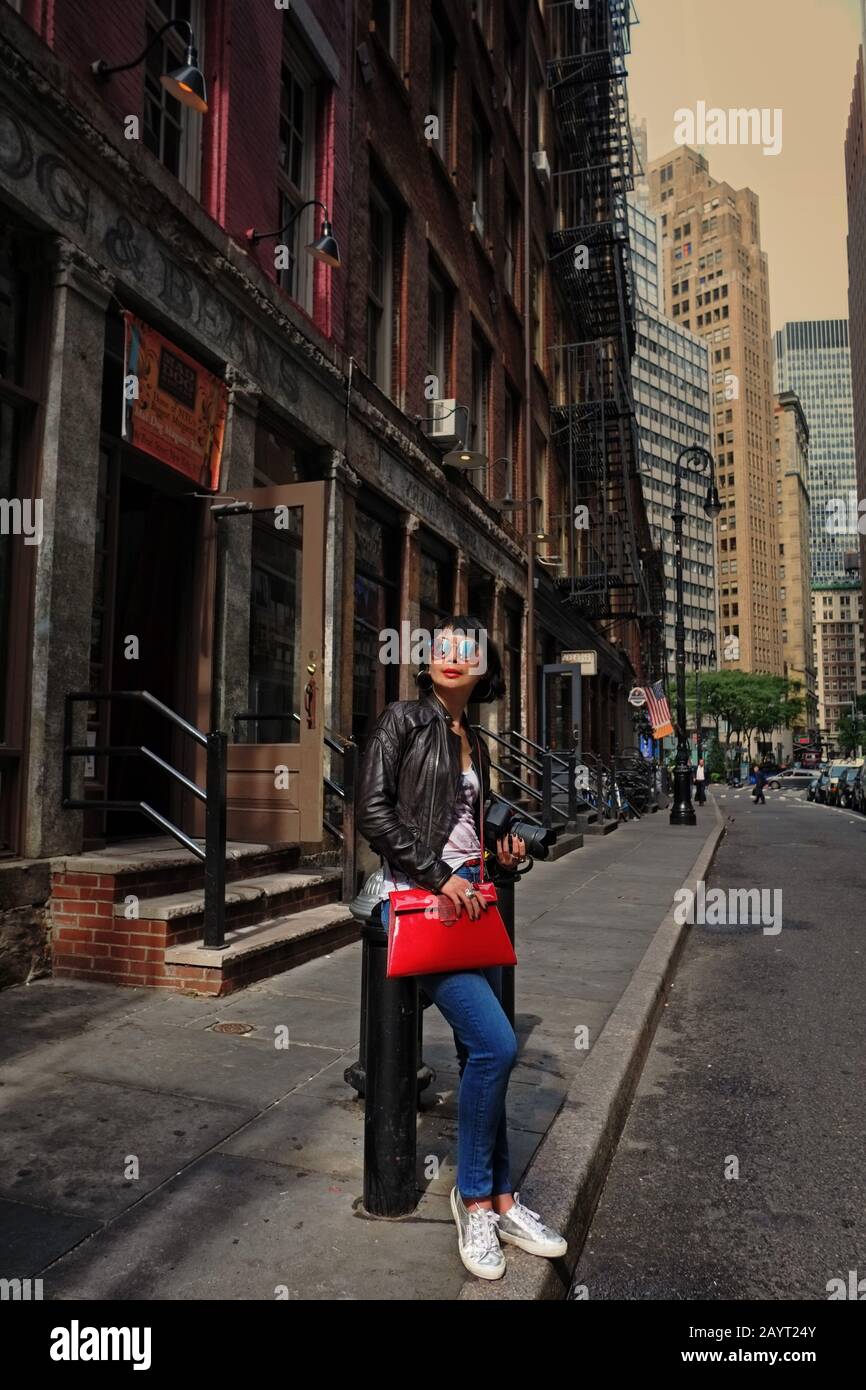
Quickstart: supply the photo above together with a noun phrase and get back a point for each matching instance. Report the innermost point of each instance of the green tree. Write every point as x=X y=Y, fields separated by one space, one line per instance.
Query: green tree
x=852 y=730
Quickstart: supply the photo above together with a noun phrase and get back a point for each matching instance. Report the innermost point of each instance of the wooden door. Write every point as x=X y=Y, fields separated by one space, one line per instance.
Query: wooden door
x=276 y=743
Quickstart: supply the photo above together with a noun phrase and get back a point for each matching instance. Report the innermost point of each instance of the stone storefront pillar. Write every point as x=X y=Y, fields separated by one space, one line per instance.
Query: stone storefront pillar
x=339 y=605
x=64 y=566
x=235 y=535
x=410 y=588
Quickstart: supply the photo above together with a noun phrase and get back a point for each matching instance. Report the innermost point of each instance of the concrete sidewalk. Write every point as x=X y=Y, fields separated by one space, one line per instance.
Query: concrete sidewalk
x=145 y=1155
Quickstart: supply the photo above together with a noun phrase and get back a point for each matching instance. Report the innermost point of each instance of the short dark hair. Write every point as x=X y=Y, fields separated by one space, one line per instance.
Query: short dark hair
x=490 y=686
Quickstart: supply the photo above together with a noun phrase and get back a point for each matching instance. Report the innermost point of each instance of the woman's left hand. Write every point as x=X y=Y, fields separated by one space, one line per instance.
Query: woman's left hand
x=510 y=851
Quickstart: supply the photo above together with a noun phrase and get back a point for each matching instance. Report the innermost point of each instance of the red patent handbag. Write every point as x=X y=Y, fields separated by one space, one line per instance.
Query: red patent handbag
x=427 y=936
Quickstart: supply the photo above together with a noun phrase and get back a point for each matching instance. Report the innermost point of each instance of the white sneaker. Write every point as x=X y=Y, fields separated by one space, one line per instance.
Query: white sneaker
x=523 y=1227
x=477 y=1240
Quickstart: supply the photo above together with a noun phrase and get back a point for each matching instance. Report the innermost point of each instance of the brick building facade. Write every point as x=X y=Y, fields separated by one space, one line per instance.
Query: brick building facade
x=121 y=206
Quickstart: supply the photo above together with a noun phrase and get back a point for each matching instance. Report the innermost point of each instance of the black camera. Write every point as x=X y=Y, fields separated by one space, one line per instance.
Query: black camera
x=502 y=819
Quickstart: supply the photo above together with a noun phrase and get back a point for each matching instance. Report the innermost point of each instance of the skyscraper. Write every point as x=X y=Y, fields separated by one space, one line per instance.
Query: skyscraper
x=855 y=180
x=716 y=283
x=812 y=358
x=670 y=382
x=791 y=438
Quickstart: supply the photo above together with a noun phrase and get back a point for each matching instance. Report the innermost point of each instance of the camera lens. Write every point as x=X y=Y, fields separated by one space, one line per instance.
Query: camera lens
x=536 y=838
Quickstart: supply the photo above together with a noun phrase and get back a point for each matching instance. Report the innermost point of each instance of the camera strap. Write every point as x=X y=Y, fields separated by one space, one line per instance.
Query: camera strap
x=480 y=773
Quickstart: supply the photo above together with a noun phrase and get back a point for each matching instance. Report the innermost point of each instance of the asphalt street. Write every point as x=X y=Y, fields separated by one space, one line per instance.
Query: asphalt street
x=740 y=1173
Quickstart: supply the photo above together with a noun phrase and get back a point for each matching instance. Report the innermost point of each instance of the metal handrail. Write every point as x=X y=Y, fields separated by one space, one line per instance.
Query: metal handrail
x=518 y=757
x=213 y=794
x=545 y=797
x=539 y=747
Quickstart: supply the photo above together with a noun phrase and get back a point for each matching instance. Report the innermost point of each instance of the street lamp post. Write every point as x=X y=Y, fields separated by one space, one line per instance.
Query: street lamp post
x=682 y=811
x=702 y=634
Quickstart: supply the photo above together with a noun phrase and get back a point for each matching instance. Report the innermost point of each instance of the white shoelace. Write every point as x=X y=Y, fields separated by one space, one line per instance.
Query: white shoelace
x=524 y=1212
x=482 y=1230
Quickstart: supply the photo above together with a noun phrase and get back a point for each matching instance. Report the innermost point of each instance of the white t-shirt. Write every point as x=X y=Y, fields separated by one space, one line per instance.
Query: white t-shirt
x=462 y=843
x=700 y=773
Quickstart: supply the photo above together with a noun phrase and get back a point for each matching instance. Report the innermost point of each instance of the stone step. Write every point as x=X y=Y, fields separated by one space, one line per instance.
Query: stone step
x=260 y=950
x=566 y=842
x=247 y=900
x=159 y=865
x=603 y=829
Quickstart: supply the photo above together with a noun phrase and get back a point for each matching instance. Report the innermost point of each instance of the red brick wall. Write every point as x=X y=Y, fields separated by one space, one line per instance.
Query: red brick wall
x=389 y=132
x=241 y=53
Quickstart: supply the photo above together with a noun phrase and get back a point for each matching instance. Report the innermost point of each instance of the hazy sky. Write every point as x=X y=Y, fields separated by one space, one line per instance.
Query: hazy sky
x=798 y=55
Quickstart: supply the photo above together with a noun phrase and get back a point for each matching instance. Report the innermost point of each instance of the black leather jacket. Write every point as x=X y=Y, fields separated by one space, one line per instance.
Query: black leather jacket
x=407 y=789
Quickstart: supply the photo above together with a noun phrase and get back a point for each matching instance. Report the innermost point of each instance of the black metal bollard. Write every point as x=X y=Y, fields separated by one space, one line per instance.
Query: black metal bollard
x=355 y=1074
x=505 y=896
x=391 y=1067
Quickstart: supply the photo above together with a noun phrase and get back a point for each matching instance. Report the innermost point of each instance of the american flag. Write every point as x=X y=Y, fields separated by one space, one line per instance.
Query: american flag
x=658 y=709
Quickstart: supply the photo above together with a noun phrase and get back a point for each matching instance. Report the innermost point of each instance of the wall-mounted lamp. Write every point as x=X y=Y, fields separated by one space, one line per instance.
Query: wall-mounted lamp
x=469 y=460
x=324 y=248
x=185 y=83
x=509 y=504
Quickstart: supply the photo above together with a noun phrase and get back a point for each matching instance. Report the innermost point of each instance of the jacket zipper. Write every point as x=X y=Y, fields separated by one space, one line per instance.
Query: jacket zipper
x=433 y=793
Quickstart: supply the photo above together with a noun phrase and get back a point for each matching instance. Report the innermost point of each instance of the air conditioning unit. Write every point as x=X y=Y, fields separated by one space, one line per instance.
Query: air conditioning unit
x=445 y=424
x=541 y=164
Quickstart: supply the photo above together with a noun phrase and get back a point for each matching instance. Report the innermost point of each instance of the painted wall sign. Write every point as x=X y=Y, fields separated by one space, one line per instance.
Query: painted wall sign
x=177 y=410
x=587 y=661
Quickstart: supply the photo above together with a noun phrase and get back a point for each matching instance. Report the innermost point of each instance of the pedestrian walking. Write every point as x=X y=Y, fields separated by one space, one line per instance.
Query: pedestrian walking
x=700 y=782
x=760 y=783
x=423 y=785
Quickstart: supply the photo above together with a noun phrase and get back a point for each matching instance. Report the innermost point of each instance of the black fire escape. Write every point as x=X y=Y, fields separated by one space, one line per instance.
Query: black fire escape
x=616 y=573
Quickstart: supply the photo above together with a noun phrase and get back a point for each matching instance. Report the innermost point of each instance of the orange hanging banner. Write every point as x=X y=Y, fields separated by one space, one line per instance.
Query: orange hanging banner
x=173 y=408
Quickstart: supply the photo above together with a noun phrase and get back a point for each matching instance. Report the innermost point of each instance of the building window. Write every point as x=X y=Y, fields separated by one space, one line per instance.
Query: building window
x=536 y=287
x=171 y=131
x=505 y=479
x=441 y=82
x=440 y=301
x=377 y=605
x=536 y=138
x=512 y=242
x=512 y=72
x=388 y=18
x=480 y=172
x=478 y=423
x=437 y=582
x=296 y=174
x=380 y=292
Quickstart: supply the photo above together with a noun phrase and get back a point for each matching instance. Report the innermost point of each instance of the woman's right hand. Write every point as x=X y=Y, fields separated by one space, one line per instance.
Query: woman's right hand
x=456 y=888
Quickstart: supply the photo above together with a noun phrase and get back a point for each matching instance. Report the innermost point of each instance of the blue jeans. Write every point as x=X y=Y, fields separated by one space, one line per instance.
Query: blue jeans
x=470 y=1000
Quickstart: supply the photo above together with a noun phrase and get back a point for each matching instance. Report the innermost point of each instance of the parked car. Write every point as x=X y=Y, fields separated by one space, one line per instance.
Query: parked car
x=822 y=787
x=858 y=789
x=835 y=772
x=793 y=780
x=845 y=788
x=812 y=788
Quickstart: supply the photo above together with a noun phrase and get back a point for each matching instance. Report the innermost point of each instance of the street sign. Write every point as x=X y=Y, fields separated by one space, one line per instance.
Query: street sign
x=587 y=661
x=636 y=697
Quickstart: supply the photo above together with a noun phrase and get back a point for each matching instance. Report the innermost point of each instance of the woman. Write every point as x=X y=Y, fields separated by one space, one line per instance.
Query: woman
x=700 y=782
x=418 y=806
